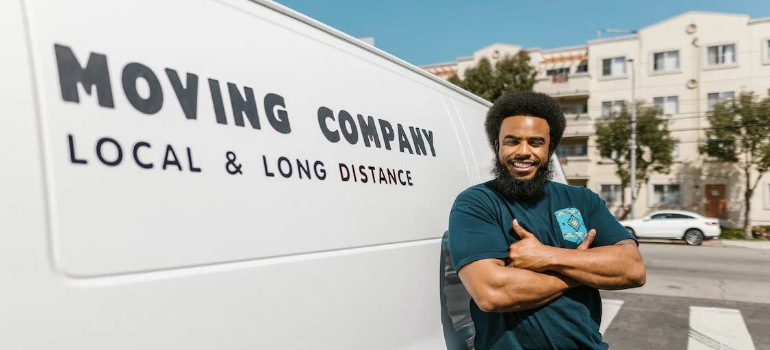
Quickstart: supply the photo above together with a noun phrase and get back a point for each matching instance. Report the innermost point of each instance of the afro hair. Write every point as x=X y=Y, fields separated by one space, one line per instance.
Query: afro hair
x=528 y=103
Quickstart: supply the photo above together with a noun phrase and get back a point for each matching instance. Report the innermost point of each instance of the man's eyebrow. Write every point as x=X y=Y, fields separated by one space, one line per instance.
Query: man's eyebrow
x=531 y=138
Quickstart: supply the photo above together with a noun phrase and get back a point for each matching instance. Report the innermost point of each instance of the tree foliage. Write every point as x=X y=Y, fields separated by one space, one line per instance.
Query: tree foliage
x=511 y=73
x=739 y=134
x=654 y=145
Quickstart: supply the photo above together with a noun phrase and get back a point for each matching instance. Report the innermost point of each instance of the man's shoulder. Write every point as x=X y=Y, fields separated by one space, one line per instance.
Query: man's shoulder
x=482 y=193
x=572 y=190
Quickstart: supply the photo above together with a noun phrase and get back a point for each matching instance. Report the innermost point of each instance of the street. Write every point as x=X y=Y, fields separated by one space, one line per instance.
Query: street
x=706 y=297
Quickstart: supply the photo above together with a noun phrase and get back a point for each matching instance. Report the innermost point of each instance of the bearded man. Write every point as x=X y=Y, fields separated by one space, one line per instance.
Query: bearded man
x=532 y=253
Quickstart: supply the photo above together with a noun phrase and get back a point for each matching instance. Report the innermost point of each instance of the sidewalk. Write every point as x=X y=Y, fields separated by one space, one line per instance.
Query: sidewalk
x=745 y=244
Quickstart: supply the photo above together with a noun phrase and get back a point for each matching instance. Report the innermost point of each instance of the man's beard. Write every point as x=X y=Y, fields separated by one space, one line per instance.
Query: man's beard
x=521 y=190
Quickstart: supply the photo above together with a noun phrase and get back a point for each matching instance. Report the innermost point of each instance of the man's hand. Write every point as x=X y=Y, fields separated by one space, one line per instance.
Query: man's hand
x=530 y=254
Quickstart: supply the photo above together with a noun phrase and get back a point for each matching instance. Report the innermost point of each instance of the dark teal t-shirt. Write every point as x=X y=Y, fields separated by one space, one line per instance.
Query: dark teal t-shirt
x=481 y=227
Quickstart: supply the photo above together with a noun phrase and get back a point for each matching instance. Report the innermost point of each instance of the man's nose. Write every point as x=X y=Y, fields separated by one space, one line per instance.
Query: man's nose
x=524 y=150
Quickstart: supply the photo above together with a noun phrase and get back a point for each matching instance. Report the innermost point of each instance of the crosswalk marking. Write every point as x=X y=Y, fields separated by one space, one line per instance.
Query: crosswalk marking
x=717 y=328
x=610 y=309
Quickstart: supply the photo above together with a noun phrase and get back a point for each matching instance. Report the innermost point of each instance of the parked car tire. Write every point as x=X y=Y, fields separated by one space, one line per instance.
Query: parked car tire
x=693 y=236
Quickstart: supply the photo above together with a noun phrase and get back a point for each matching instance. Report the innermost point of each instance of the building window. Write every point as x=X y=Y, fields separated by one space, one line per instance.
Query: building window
x=611 y=194
x=721 y=55
x=715 y=97
x=614 y=67
x=572 y=151
x=583 y=67
x=558 y=71
x=767 y=50
x=611 y=108
x=666 y=194
x=666 y=61
x=667 y=105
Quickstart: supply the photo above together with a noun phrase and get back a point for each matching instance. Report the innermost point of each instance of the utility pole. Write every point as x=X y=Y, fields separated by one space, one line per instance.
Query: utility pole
x=633 y=137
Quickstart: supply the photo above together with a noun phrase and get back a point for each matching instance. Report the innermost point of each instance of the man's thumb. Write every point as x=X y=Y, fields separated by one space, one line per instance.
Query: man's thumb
x=520 y=230
x=588 y=240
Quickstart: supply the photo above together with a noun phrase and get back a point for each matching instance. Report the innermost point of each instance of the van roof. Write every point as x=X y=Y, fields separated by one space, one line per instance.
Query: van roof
x=341 y=35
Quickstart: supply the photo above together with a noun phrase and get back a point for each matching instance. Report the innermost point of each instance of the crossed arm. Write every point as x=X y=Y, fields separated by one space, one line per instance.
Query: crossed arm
x=537 y=274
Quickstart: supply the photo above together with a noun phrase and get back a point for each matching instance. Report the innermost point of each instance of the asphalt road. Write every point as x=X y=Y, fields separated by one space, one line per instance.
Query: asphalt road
x=695 y=298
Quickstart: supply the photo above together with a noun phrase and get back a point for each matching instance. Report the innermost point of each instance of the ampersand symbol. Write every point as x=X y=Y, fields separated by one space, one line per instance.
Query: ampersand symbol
x=232 y=167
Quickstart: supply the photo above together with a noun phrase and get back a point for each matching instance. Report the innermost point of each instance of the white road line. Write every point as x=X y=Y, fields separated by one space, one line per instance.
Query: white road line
x=610 y=309
x=715 y=328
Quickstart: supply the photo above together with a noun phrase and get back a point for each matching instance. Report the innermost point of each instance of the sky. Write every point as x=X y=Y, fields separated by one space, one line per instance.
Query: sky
x=434 y=31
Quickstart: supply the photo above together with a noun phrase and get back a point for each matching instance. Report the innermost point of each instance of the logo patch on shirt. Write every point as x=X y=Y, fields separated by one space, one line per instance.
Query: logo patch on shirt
x=571 y=224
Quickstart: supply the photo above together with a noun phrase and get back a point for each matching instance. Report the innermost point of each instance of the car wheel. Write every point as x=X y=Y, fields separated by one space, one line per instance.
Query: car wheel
x=693 y=236
x=631 y=231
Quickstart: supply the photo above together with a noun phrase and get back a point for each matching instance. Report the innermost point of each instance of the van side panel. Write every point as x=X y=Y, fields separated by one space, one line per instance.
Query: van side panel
x=103 y=248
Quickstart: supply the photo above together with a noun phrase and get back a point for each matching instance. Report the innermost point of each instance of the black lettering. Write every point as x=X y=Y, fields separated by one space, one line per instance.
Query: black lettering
x=400 y=179
x=243 y=106
x=216 y=98
x=369 y=131
x=419 y=145
x=274 y=104
x=136 y=155
x=373 y=176
x=323 y=114
x=285 y=160
x=187 y=96
x=131 y=73
x=319 y=173
x=73 y=158
x=117 y=147
x=173 y=160
x=354 y=172
x=409 y=177
x=189 y=160
x=347 y=120
x=95 y=74
x=391 y=176
x=345 y=177
x=306 y=168
x=387 y=133
x=362 y=171
x=403 y=141
x=429 y=137
x=382 y=176
x=267 y=172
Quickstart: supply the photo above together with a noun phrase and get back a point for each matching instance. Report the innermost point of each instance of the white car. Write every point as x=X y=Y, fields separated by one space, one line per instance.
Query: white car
x=674 y=224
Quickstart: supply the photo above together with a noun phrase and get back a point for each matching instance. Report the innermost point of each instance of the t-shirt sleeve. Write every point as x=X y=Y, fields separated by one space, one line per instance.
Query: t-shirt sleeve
x=474 y=234
x=608 y=230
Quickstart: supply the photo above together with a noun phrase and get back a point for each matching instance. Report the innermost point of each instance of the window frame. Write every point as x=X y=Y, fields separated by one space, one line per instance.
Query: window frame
x=665 y=100
x=708 y=66
x=651 y=195
x=613 y=104
x=720 y=97
x=765 y=48
x=612 y=187
x=676 y=70
x=611 y=76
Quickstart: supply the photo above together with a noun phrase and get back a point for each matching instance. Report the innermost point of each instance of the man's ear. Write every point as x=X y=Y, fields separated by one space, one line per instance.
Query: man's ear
x=497 y=146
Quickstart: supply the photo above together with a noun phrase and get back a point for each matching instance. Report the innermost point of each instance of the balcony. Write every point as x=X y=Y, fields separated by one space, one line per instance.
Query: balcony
x=559 y=85
x=578 y=125
x=575 y=167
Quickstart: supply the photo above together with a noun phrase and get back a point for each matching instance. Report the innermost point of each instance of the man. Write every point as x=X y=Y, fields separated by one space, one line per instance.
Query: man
x=520 y=243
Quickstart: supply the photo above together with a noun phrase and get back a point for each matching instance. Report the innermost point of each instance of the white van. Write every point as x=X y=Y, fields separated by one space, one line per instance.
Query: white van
x=222 y=174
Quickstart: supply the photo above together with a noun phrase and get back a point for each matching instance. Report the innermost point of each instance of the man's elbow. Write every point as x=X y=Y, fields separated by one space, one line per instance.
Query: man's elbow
x=637 y=275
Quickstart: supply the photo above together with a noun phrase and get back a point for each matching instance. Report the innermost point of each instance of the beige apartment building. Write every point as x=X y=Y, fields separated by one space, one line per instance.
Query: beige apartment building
x=682 y=65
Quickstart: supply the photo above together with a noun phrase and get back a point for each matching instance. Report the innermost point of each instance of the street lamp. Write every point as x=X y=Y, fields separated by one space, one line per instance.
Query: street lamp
x=633 y=138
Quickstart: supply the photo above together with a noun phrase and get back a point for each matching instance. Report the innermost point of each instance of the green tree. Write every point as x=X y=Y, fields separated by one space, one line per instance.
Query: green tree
x=739 y=135
x=654 y=146
x=511 y=73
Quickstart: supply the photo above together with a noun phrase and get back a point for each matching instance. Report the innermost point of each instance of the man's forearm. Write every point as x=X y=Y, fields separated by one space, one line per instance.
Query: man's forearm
x=519 y=289
x=609 y=267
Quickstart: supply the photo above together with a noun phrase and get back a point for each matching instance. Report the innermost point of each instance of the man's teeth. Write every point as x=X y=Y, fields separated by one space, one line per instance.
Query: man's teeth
x=522 y=165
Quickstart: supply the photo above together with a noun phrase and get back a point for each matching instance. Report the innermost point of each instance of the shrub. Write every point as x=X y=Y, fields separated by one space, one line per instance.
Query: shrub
x=731 y=233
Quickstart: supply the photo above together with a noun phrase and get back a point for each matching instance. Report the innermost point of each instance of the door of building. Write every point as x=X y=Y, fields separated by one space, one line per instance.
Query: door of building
x=716 y=201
